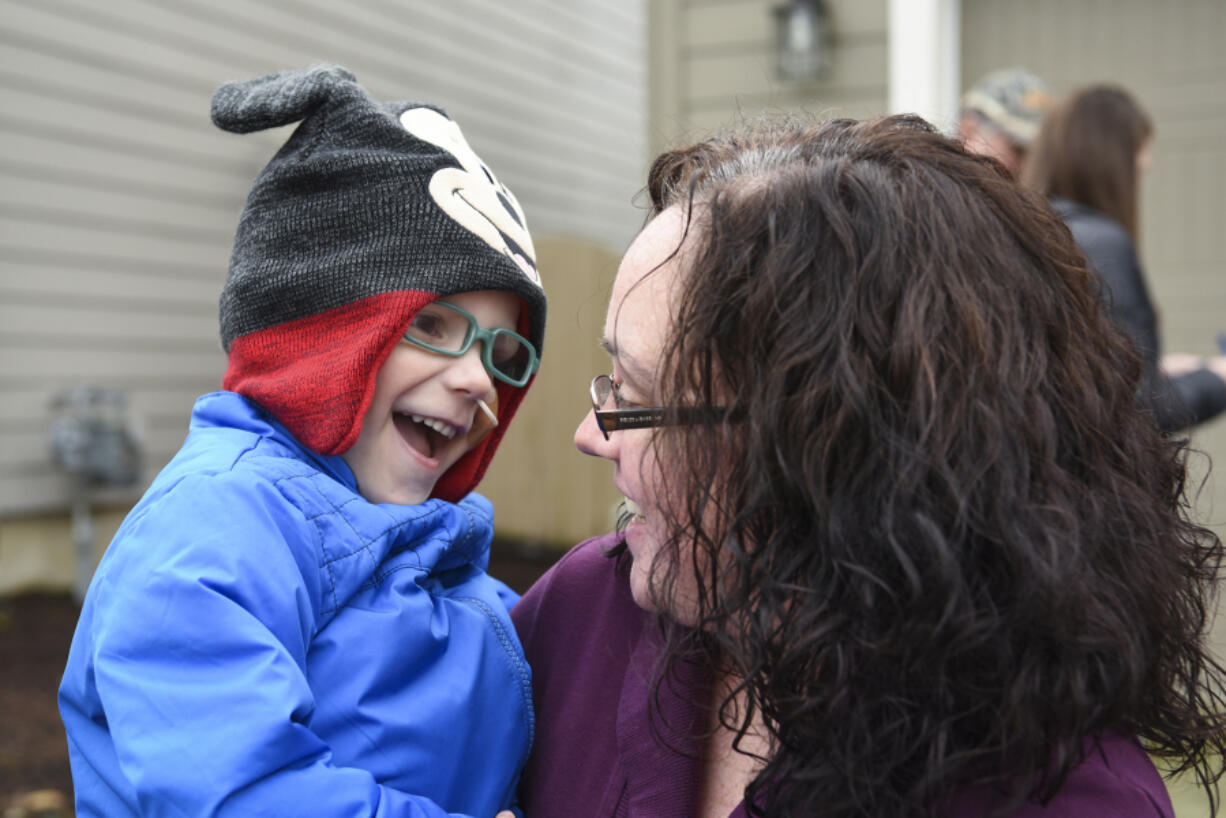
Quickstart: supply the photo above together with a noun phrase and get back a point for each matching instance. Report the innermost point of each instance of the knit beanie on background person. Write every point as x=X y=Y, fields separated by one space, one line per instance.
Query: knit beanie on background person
x=368 y=212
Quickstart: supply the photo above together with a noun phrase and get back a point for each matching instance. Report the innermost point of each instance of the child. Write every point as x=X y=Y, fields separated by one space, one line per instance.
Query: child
x=295 y=619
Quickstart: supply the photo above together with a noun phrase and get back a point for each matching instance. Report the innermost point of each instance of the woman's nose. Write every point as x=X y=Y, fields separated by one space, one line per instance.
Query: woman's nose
x=590 y=440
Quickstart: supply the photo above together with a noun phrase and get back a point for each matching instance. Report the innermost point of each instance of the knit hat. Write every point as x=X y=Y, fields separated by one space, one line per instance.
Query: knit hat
x=368 y=212
x=1012 y=99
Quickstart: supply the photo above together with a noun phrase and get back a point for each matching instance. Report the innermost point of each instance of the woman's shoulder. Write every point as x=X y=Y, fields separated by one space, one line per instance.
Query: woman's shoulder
x=1089 y=226
x=582 y=587
x=585 y=570
x=1116 y=778
x=1108 y=250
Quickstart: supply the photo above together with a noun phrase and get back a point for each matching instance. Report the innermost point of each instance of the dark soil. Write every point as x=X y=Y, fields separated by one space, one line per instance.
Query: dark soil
x=35 y=631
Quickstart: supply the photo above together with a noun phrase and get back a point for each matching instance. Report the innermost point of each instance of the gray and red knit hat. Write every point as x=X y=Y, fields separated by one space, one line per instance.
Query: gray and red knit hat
x=367 y=213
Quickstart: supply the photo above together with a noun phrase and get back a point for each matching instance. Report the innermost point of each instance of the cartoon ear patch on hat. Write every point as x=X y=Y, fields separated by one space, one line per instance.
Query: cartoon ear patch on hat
x=277 y=99
x=470 y=194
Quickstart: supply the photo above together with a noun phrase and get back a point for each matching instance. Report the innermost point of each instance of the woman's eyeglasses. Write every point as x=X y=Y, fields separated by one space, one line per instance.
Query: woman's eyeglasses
x=642 y=417
x=448 y=330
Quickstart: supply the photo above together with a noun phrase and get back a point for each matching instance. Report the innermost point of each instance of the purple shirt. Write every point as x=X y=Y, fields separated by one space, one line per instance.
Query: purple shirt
x=597 y=754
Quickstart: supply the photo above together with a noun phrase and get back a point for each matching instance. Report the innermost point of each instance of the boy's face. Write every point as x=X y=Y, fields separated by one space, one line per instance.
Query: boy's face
x=424 y=414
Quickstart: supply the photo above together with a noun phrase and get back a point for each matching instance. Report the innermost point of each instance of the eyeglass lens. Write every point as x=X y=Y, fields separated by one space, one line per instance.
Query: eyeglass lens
x=602 y=388
x=443 y=328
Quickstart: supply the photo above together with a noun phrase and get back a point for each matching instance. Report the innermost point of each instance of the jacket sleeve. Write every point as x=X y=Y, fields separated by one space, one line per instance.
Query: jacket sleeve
x=1187 y=399
x=1175 y=403
x=199 y=650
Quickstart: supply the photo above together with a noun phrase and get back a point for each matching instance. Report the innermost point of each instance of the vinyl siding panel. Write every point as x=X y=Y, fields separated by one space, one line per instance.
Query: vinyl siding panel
x=118 y=197
x=714 y=66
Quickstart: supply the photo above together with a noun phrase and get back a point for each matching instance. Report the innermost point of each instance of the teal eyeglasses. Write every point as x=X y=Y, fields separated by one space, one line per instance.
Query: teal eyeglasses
x=448 y=330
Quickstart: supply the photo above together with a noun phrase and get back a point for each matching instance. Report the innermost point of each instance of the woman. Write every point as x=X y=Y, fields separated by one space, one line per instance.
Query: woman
x=1089 y=156
x=886 y=554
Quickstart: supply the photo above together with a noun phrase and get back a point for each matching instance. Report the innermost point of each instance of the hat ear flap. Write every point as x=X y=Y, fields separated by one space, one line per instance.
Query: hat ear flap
x=277 y=99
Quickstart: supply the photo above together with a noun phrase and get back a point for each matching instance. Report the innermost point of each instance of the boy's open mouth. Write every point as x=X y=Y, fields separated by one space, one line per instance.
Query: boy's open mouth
x=424 y=435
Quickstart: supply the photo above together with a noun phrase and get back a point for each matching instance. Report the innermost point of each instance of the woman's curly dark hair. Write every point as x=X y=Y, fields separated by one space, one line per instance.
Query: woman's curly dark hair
x=950 y=547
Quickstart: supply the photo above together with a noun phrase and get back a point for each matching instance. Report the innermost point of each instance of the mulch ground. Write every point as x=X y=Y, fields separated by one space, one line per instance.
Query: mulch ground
x=35 y=631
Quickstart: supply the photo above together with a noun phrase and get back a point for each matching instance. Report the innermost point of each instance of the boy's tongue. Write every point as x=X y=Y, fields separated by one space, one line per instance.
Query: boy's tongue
x=415 y=434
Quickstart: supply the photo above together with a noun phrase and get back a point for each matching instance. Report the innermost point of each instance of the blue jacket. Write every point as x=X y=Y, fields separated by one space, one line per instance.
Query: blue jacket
x=259 y=640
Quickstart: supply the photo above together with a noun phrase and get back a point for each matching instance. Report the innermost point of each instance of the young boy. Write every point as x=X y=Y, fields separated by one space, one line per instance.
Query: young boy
x=295 y=619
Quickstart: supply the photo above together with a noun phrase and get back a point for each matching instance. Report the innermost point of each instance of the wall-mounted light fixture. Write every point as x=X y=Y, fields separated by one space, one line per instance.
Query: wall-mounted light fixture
x=802 y=39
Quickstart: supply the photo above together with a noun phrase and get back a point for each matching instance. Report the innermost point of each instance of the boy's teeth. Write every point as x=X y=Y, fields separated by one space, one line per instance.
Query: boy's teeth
x=445 y=429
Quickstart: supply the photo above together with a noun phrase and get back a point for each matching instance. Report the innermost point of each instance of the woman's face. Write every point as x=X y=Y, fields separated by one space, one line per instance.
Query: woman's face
x=1145 y=157
x=635 y=331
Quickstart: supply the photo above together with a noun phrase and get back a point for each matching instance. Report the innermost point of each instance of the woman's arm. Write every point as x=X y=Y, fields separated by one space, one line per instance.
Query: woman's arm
x=1177 y=401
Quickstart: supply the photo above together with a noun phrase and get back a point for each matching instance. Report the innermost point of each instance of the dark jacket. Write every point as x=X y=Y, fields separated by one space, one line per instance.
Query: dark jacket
x=1178 y=402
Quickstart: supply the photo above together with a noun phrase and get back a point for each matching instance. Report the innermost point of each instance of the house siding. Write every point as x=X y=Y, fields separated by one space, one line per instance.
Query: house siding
x=118 y=197
x=714 y=66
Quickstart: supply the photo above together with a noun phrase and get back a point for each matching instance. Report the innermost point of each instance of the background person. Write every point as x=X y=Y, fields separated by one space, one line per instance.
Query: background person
x=295 y=619
x=885 y=554
x=999 y=116
x=1089 y=157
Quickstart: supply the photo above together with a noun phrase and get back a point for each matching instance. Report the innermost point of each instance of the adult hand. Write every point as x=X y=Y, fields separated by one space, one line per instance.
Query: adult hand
x=1178 y=363
x=1217 y=365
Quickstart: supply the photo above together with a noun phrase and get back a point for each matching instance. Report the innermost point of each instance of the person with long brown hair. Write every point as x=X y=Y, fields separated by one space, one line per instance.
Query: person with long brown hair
x=1089 y=157
x=898 y=540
